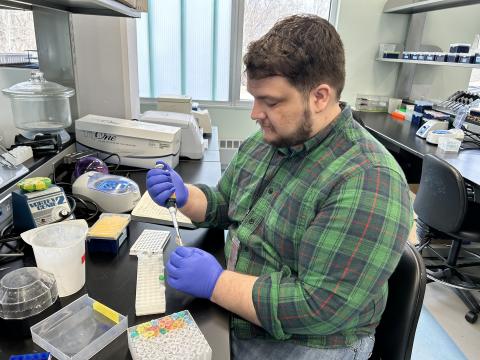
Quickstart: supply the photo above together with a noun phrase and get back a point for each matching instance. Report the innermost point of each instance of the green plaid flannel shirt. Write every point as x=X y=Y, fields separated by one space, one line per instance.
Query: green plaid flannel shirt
x=323 y=235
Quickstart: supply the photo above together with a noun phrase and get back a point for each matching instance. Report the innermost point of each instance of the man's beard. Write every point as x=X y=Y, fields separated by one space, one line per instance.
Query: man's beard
x=301 y=135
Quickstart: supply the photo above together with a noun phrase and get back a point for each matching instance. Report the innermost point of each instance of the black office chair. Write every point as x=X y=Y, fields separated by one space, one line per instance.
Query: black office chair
x=406 y=289
x=445 y=210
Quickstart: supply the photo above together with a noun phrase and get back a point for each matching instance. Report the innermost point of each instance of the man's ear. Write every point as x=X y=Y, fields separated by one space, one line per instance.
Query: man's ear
x=320 y=97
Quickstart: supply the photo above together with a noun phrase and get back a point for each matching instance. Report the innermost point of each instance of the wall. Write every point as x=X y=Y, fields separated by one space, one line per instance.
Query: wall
x=438 y=82
x=362 y=26
x=8 y=77
x=106 y=70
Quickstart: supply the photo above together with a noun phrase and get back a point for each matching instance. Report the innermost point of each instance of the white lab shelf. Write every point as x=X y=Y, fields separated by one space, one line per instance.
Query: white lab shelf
x=92 y=7
x=433 y=63
x=427 y=5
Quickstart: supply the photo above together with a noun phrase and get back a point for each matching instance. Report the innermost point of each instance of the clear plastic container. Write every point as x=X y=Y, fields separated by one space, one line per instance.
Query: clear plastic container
x=447 y=144
x=59 y=248
x=372 y=103
x=79 y=330
x=39 y=105
x=26 y=292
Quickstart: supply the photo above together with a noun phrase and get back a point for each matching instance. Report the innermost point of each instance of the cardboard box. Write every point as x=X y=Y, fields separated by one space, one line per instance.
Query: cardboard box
x=129 y=3
x=142 y=5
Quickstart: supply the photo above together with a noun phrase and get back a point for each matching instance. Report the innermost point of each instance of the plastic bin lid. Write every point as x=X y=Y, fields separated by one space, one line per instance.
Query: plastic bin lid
x=26 y=292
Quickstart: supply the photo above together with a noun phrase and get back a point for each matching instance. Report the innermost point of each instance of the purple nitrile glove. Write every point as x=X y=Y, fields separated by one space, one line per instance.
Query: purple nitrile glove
x=163 y=183
x=193 y=271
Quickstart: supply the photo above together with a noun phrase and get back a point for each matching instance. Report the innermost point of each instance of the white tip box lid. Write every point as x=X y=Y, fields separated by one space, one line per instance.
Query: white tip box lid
x=129 y=128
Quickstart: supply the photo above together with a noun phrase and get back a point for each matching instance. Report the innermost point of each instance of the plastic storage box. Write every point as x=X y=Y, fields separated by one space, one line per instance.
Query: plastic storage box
x=79 y=330
x=447 y=144
x=372 y=103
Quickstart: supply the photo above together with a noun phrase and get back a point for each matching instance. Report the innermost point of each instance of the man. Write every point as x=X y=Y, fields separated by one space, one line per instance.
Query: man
x=318 y=211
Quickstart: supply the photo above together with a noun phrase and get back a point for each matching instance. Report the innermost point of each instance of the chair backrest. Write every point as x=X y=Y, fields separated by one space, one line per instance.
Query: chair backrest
x=406 y=289
x=441 y=200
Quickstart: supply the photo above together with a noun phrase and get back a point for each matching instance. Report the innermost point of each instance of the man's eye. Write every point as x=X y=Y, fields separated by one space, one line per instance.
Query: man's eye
x=271 y=103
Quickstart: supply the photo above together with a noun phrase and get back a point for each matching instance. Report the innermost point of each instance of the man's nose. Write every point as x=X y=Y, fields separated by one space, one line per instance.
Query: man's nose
x=257 y=111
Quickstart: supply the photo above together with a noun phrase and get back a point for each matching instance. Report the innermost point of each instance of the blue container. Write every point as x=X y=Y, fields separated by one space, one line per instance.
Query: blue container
x=421 y=106
x=477 y=58
x=430 y=57
x=417 y=118
x=460 y=48
x=452 y=58
x=391 y=55
x=466 y=59
x=441 y=57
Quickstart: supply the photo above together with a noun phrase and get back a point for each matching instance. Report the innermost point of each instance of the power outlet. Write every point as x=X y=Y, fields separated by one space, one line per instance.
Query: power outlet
x=6 y=214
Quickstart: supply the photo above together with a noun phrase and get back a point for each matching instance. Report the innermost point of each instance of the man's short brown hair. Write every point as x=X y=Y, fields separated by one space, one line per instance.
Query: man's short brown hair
x=305 y=49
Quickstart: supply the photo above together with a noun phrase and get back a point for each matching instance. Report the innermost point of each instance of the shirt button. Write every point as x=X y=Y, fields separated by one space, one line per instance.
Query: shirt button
x=251 y=221
x=270 y=191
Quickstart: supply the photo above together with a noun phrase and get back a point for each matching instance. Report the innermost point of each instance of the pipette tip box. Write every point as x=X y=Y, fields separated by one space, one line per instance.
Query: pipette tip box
x=34 y=356
x=175 y=336
x=108 y=233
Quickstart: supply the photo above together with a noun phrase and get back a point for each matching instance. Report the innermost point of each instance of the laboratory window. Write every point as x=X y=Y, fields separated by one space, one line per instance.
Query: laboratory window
x=17 y=39
x=196 y=47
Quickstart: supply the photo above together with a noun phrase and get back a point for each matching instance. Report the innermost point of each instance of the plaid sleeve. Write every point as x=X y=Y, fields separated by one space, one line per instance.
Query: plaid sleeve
x=218 y=200
x=346 y=256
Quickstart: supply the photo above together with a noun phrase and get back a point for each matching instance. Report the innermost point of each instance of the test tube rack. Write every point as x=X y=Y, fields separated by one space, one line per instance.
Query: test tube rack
x=175 y=336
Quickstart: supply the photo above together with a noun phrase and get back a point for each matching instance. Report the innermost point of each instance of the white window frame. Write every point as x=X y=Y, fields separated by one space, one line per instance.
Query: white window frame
x=236 y=40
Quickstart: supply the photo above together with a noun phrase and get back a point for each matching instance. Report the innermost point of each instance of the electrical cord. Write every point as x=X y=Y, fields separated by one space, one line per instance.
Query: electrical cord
x=117 y=165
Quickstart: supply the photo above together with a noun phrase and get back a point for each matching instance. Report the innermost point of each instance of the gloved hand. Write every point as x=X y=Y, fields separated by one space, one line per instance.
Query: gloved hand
x=162 y=183
x=193 y=271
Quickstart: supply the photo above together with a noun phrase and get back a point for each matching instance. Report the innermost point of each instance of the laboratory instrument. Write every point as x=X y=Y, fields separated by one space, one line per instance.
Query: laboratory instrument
x=59 y=249
x=89 y=163
x=108 y=233
x=171 y=205
x=112 y=193
x=26 y=297
x=175 y=336
x=204 y=121
x=136 y=143
x=183 y=104
x=431 y=125
x=192 y=144
x=38 y=208
x=40 y=107
x=79 y=330
x=434 y=136
x=175 y=103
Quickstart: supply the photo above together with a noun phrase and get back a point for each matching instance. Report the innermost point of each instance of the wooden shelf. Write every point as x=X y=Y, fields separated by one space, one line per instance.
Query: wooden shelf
x=426 y=5
x=434 y=63
x=92 y=7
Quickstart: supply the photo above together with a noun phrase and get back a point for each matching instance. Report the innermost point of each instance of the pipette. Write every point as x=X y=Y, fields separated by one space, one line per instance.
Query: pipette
x=171 y=205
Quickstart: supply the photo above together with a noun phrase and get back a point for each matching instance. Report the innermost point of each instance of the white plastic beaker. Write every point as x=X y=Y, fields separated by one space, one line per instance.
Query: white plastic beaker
x=60 y=249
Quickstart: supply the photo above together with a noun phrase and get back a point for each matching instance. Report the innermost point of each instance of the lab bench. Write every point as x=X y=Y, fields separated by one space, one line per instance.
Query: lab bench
x=399 y=137
x=112 y=279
